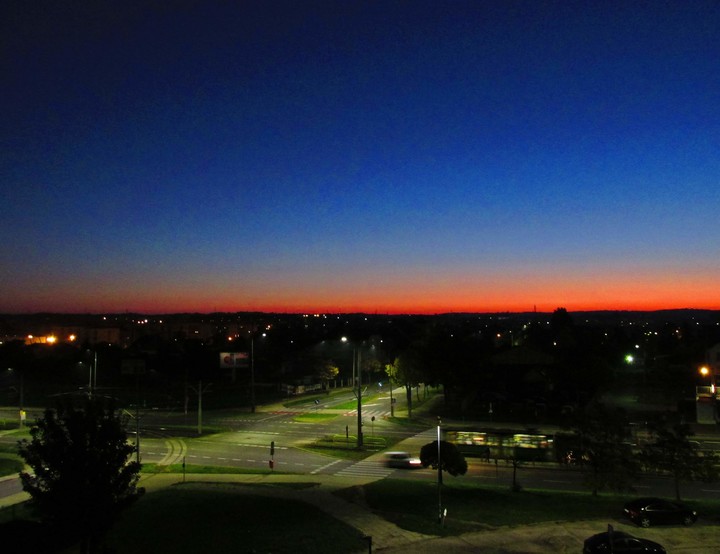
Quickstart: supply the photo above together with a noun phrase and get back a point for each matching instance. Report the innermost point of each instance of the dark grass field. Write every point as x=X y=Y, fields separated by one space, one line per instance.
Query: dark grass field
x=209 y=519
x=191 y=520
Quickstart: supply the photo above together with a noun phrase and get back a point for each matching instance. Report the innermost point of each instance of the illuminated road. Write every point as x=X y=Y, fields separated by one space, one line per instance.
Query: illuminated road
x=245 y=440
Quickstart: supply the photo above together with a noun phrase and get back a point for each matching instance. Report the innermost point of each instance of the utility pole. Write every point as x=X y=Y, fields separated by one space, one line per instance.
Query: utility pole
x=392 y=400
x=252 y=374
x=359 y=402
x=199 y=392
x=440 y=510
x=357 y=382
x=137 y=433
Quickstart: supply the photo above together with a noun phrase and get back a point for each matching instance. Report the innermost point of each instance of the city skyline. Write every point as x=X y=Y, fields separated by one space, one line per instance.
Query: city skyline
x=390 y=157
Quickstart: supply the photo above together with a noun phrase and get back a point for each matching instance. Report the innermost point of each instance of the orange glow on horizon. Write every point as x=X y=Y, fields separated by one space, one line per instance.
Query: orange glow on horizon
x=399 y=306
x=422 y=293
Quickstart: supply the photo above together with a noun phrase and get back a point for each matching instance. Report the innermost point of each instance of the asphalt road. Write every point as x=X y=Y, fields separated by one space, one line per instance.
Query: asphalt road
x=246 y=440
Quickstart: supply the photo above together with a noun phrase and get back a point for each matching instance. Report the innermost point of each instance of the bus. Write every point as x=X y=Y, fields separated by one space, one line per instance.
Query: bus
x=503 y=444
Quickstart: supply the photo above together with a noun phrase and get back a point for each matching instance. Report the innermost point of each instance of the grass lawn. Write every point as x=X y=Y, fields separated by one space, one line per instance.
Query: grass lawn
x=311 y=417
x=413 y=505
x=212 y=518
x=186 y=519
x=10 y=465
x=340 y=446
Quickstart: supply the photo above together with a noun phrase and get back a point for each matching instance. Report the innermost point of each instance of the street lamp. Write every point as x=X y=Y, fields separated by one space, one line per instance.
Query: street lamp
x=92 y=384
x=252 y=372
x=21 y=402
x=356 y=357
x=440 y=510
x=705 y=371
x=392 y=400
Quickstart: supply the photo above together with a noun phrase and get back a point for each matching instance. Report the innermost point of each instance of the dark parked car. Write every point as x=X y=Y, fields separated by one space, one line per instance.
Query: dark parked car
x=622 y=543
x=656 y=511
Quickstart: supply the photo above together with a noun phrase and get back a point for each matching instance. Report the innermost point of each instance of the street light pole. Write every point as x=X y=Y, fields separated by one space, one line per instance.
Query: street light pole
x=356 y=359
x=359 y=403
x=392 y=403
x=92 y=380
x=252 y=374
x=440 y=511
x=705 y=372
x=253 y=405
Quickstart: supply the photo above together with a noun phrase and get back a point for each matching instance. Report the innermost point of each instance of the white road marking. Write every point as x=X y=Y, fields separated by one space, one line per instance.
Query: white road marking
x=324 y=467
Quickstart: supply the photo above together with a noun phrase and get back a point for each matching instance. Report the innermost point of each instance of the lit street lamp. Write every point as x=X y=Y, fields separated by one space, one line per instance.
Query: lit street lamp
x=21 y=401
x=705 y=371
x=92 y=384
x=252 y=371
x=356 y=357
x=440 y=509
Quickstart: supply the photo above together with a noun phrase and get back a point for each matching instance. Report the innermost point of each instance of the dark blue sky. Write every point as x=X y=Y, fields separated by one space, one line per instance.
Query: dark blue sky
x=374 y=156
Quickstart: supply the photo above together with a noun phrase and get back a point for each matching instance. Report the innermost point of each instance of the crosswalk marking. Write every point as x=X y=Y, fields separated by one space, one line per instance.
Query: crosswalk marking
x=321 y=468
x=369 y=413
x=366 y=468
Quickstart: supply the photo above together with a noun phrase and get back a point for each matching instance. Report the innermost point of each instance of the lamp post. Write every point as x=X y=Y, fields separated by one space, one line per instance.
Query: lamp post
x=440 y=510
x=92 y=381
x=252 y=372
x=21 y=391
x=356 y=358
x=705 y=371
x=392 y=400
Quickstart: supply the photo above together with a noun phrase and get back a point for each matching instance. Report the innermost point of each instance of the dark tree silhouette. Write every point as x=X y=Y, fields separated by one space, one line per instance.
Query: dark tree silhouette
x=673 y=452
x=81 y=477
x=406 y=370
x=604 y=438
x=451 y=459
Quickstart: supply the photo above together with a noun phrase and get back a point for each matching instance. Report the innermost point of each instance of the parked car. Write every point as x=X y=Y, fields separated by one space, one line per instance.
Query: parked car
x=401 y=460
x=622 y=543
x=656 y=511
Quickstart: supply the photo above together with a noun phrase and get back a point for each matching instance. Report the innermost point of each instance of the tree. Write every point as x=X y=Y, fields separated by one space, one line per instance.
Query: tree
x=673 y=452
x=451 y=459
x=326 y=371
x=81 y=477
x=607 y=458
x=405 y=370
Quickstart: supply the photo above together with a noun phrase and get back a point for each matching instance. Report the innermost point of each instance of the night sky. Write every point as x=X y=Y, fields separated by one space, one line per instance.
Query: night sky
x=341 y=156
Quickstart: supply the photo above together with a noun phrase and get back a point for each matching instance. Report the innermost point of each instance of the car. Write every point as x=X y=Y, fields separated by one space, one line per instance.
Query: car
x=622 y=543
x=656 y=511
x=401 y=460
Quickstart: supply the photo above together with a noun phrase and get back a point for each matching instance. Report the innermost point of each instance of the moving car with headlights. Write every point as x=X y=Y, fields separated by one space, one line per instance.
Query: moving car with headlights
x=622 y=543
x=401 y=460
x=656 y=511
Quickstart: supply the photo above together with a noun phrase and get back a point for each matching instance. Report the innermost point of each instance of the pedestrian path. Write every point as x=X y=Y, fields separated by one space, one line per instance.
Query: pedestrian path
x=369 y=414
x=366 y=468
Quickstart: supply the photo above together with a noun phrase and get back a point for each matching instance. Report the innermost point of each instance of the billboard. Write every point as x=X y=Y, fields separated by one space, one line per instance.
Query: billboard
x=234 y=359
